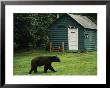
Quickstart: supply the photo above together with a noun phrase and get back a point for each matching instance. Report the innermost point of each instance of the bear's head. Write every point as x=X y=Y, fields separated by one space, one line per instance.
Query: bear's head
x=55 y=59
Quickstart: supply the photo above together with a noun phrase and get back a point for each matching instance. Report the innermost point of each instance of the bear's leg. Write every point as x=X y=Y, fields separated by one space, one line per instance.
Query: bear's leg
x=51 y=68
x=35 y=70
x=30 y=71
x=45 y=69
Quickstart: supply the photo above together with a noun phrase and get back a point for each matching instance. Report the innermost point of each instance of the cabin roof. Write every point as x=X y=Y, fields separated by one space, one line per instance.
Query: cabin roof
x=84 y=21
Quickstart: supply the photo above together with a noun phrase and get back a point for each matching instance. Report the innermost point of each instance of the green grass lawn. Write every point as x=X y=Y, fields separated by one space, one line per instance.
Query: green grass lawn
x=71 y=63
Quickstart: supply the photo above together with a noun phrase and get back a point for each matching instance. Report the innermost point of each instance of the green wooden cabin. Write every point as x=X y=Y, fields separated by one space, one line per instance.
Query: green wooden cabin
x=77 y=32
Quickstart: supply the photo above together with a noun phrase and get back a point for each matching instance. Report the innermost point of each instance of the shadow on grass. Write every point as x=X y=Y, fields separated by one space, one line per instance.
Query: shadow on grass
x=42 y=73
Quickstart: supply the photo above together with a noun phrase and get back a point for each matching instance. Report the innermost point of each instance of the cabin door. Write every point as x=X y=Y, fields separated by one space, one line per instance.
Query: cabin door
x=73 y=39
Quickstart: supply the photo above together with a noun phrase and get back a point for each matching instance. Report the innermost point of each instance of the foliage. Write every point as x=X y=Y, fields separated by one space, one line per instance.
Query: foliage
x=71 y=63
x=31 y=29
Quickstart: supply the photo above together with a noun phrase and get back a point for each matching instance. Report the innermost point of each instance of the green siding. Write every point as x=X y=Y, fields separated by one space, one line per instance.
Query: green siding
x=91 y=41
x=59 y=36
x=81 y=39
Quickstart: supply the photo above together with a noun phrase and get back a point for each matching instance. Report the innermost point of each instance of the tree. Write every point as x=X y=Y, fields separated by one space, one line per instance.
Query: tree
x=31 y=29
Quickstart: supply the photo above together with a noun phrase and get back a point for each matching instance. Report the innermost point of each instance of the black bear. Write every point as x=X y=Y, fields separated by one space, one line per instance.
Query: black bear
x=45 y=61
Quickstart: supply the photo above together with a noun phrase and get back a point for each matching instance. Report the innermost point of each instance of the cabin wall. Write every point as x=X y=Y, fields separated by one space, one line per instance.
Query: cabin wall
x=58 y=33
x=81 y=39
x=91 y=40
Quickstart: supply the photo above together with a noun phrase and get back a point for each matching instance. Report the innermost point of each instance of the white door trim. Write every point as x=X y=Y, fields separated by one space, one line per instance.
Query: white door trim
x=69 y=46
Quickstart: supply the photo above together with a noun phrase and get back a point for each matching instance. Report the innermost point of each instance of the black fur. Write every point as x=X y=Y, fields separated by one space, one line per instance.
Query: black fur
x=45 y=61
